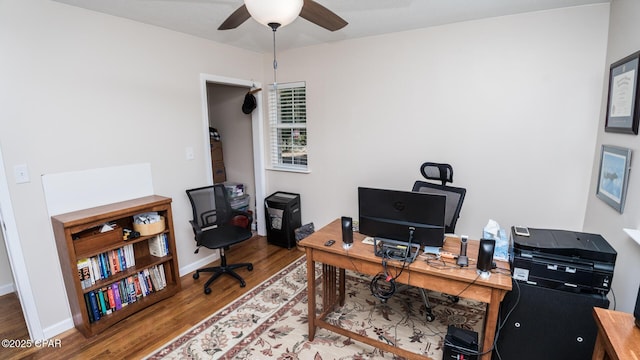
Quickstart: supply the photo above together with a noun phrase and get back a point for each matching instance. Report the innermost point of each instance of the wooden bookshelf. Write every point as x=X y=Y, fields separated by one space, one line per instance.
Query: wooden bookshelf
x=78 y=237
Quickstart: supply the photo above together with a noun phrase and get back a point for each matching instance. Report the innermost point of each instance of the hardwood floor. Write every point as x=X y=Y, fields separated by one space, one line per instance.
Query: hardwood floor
x=12 y=325
x=145 y=331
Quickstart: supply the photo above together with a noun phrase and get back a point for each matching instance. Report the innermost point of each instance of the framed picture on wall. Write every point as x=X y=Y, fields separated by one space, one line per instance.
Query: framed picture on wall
x=613 y=176
x=623 y=106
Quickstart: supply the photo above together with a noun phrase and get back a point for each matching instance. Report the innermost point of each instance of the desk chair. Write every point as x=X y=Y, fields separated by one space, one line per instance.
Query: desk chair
x=214 y=229
x=442 y=173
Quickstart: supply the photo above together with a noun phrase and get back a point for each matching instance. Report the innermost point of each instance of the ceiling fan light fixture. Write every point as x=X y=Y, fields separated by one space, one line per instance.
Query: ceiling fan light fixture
x=282 y=12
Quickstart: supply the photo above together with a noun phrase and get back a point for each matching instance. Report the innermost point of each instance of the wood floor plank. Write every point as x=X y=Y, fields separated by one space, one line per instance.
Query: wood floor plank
x=147 y=330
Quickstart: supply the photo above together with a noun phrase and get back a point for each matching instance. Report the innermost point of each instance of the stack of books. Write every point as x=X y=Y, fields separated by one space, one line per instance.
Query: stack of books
x=159 y=245
x=119 y=294
x=105 y=264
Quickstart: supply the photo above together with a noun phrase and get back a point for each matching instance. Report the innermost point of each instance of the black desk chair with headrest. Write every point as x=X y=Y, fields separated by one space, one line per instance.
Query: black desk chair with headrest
x=455 y=197
x=214 y=228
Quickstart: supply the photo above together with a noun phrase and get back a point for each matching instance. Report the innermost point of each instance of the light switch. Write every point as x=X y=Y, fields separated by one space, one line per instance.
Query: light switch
x=189 y=153
x=21 y=173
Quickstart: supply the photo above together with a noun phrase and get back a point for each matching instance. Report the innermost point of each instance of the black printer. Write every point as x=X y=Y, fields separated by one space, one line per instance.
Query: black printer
x=563 y=260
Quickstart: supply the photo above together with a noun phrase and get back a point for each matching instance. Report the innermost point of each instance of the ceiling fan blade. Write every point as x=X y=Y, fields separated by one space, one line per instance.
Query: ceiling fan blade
x=236 y=18
x=321 y=16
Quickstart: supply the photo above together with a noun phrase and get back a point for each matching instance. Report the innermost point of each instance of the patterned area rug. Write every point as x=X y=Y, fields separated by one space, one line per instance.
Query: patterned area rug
x=270 y=322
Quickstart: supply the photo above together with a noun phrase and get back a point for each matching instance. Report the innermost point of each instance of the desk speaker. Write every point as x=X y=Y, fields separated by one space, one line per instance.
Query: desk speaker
x=485 y=255
x=347 y=232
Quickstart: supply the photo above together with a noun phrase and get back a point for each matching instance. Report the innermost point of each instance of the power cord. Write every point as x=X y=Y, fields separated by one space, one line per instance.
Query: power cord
x=382 y=288
x=502 y=323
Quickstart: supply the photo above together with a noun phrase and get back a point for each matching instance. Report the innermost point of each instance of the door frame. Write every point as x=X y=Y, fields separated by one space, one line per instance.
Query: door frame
x=257 y=129
x=15 y=254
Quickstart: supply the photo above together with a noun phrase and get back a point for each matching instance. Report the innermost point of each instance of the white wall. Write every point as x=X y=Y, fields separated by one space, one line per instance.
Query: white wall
x=83 y=90
x=511 y=102
x=600 y=218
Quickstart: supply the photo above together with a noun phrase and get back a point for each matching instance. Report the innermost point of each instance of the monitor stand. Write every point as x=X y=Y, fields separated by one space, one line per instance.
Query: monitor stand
x=395 y=250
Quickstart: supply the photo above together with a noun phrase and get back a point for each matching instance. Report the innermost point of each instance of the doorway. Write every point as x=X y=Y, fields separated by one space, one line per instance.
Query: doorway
x=22 y=285
x=241 y=136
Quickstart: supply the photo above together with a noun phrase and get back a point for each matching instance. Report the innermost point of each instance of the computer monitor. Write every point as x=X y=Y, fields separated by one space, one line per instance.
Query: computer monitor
x=402 y=216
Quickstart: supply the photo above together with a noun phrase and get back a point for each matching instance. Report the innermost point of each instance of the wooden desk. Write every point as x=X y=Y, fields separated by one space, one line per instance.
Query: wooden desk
x=361 y=258
x=618 y=336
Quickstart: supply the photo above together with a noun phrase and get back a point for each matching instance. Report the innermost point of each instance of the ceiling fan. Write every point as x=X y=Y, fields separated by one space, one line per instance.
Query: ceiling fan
x=282 y=13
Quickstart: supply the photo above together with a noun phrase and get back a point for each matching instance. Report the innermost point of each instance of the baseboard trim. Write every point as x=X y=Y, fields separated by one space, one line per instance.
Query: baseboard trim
x=200 y=263
x=57 y=329
x=7 y=289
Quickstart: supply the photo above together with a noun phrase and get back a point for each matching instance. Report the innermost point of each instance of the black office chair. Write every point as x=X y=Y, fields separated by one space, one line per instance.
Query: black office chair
x=455 y=197
x=214 y=229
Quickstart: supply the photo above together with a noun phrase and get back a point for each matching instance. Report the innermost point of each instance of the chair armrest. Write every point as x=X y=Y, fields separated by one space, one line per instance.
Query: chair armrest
x=197 y=230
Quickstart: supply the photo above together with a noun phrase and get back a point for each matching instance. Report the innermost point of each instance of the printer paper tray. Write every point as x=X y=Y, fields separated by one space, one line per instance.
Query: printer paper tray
x=560 y=275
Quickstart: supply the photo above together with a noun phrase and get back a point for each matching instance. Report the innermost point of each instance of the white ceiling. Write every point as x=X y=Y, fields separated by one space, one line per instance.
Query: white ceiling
x=366 y=17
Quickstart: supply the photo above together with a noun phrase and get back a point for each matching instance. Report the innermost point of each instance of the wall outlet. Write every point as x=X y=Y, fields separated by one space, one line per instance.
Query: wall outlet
x=189 y=153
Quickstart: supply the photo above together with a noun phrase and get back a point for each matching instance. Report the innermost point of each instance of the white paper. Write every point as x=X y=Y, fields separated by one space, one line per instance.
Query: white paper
x=622 y=94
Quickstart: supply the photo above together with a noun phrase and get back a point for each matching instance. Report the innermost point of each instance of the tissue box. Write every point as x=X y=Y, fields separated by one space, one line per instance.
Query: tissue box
x=501 y=251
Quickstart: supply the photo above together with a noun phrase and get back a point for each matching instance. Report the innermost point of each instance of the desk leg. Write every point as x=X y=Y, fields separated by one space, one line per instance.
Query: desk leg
x=491 y=321
x=311 y=293
x=342 y=286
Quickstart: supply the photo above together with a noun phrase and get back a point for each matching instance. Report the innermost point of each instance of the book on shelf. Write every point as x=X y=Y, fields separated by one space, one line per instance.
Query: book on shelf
x=116 y=296
x=137 y=285
x=84 y=272
x=131 y=290
x=95 y=269
x=87 y=302
x=142 y=282
x=123 y=287
x=153 y=272
x=111 y=298
x=128 y=255
x=104 y=310
x=158 y=245
x=156 y=273
x=123 y=262
x=163 y=278
x=114 y=262
x=148 y=282
x=94 y=312
x=104 y=273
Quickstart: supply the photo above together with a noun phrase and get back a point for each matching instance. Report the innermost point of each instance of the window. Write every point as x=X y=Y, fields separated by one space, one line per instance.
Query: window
x=288 y=123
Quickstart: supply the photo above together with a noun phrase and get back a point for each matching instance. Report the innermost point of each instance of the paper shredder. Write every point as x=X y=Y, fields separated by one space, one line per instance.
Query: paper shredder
x=282 y=212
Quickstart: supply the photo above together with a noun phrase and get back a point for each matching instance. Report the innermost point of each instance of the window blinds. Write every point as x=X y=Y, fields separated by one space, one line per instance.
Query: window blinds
x=288 y=126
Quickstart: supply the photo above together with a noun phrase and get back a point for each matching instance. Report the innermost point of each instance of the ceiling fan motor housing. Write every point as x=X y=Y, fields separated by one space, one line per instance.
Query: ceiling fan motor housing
x=266 y=12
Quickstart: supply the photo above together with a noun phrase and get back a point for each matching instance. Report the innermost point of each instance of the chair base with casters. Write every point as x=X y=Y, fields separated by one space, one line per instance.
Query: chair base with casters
x=222 y=269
